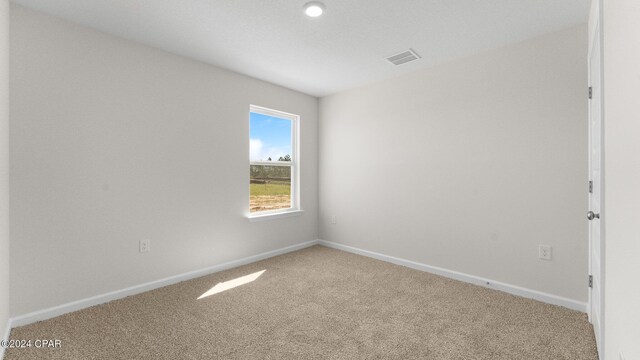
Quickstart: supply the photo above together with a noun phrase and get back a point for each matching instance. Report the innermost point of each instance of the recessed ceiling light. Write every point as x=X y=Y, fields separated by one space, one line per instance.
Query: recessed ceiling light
x=314 y=8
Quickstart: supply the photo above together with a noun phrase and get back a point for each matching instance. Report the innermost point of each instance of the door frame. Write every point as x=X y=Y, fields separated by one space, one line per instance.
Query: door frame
x=595 y=31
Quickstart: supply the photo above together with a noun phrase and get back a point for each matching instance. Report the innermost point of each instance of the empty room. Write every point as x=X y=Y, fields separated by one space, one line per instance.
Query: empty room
x=284 y=179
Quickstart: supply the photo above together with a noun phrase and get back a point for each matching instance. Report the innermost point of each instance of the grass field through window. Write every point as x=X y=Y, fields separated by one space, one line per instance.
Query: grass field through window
x=270 y=188
x=270 y=196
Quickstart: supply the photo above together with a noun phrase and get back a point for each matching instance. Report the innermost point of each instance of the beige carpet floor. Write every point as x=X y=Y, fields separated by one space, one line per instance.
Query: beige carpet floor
x=317 y=303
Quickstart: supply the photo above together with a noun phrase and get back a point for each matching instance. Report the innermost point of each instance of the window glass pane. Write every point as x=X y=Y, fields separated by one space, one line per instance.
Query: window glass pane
x=270 y=138
x=270 y=188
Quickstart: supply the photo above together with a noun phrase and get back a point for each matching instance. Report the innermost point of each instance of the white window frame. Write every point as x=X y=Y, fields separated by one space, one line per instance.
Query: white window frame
x=295 y=208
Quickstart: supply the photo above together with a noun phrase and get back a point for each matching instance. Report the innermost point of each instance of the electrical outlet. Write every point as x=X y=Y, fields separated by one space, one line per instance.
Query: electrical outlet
x=333 y=220
x=544 y=252
x=145 y=245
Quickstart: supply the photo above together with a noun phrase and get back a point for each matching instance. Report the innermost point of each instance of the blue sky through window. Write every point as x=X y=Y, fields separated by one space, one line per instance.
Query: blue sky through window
x=270 y=137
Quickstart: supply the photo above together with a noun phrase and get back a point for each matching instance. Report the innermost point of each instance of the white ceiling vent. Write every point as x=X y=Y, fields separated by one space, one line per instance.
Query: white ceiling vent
x=403 y=57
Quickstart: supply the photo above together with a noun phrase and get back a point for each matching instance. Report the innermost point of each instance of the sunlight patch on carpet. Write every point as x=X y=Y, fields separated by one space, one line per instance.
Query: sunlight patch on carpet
x=223 y=286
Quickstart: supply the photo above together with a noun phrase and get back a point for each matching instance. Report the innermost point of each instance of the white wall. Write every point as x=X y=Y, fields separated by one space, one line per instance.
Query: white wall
x=467 y=166
x=621 y=214
x=4 y=167
x=113 y=142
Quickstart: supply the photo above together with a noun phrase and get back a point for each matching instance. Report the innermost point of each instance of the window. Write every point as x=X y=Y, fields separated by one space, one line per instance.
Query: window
x=273 y=165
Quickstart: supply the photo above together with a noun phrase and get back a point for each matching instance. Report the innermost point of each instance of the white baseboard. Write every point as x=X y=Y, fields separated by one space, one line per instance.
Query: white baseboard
x=5 y=337
x=137 y=289
x=133 y=290
x=476 y=280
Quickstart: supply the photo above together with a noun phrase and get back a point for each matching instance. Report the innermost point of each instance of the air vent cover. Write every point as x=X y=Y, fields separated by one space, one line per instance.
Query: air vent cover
x=403 y=57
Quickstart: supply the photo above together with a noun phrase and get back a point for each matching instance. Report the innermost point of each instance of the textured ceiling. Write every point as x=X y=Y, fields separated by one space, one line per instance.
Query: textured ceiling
x=274 y=41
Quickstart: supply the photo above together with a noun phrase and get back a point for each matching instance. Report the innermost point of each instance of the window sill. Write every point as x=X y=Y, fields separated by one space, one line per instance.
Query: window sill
x=274 y=216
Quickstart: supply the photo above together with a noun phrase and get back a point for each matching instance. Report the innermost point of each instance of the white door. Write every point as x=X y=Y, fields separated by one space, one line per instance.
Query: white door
x=596 y=248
